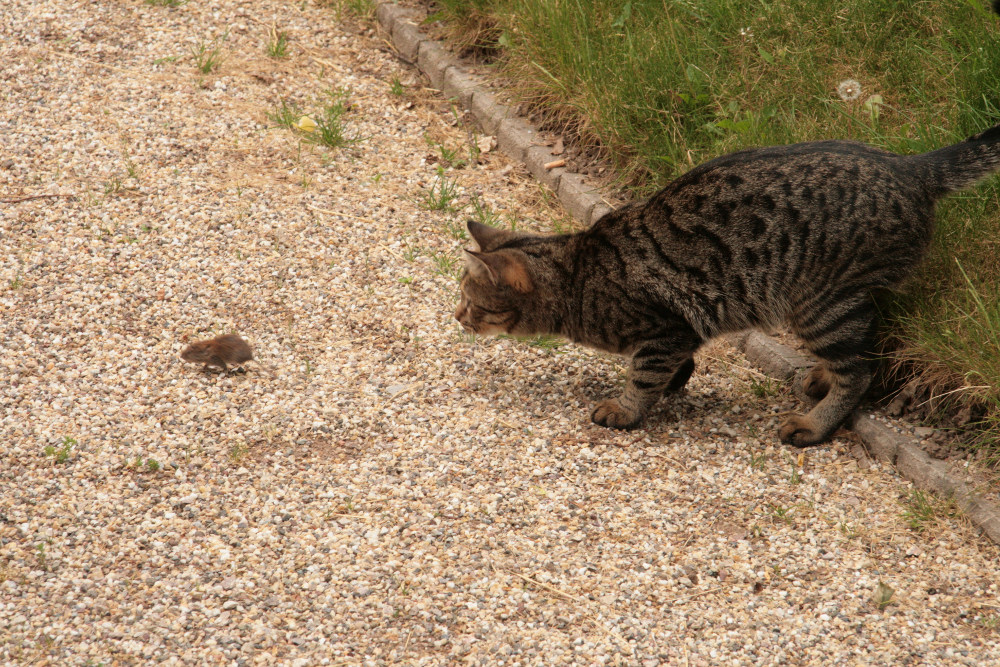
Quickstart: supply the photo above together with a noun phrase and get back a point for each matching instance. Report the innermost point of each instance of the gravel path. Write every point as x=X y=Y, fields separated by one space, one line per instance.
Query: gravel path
x=396 y=493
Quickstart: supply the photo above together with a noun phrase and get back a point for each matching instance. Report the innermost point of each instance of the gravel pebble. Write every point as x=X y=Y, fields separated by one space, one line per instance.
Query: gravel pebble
x=396 y=492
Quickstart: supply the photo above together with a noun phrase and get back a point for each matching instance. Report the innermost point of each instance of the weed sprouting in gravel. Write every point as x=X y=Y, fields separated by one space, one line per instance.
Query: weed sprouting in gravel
x=167 y=3
x=238 y=452
x=440 y=195
x=396 y=87
x=456 y=230
x=15 y=283
x=286 y=114
x=446 y=265
x=758 y=461
x=41 y=557
x=330 y=130
x=277 y=45
x=60 y=454
x=923 y=510
x=113 y=186
x=208 y=57
x=482 y=213
x=551 y=343
x=764 y=387
x=343 y=8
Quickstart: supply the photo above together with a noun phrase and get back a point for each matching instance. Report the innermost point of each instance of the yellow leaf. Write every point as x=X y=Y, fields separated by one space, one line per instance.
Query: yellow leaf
x=306 y=124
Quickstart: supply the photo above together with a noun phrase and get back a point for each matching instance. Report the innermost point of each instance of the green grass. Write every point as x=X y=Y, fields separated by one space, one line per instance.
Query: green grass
x=277 y=45
x=60 y=454
x=286 y=114
x=167 y=3
x=441 y=193
x=363 y=9
x=208 y=57
x=659 y=87
x=330 y=129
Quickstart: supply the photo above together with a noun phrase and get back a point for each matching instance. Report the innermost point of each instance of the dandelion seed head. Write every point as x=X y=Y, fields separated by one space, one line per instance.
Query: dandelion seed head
x=849 y=89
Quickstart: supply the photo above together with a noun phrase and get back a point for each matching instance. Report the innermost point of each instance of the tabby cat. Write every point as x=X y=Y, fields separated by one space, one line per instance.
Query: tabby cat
x=801 y=234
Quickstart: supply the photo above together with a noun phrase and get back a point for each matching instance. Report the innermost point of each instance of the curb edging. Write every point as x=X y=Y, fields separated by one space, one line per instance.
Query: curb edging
x=515 y=137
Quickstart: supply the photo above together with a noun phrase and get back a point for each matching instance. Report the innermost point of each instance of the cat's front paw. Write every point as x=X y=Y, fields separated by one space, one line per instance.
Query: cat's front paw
x=610 y=413
x=800 y=431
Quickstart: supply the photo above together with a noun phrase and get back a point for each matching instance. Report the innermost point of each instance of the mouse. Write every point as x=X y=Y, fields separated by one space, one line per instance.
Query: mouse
x=220 y=352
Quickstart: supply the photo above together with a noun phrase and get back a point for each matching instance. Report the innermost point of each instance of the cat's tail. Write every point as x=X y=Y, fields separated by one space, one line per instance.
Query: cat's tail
x=964 y=164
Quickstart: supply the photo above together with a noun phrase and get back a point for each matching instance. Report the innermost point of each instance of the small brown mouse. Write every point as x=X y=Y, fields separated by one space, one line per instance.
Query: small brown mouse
x=221 y=352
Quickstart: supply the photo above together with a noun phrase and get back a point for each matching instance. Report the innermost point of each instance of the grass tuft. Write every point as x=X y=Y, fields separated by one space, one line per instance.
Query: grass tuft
x=208 y=57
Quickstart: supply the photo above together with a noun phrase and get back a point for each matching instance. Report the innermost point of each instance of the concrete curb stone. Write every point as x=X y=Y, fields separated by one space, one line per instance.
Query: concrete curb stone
x=433 y=61
x=535 y=158
x=578 y=197
x=488 y=112
x=516 y=139
x=459 y=85
x=406 y=37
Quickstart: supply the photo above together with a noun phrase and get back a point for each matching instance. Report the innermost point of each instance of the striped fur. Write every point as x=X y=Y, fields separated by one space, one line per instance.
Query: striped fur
x=800 y=234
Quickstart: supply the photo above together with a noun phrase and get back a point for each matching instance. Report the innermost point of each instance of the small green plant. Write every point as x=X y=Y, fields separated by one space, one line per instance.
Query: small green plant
x=552 y=343
x=17 y=282
x=782 y=514
x=238 y=452
x=147 y=464
x=60 y=454
x=920 y=511
x=482 y=213
x=794 y=477
x=396 y=87
x=167 y=59
x=411 y=253
x=456 y=230
x=130 y=168
x=764 y=387
x=330 y=130
x=286 y=114
x=848 y=530
x=277 y=46
x=758 y=461
x=441 y=193
x=40 y=556
x=406 y=280
x=113 y=186
x=449 y=156
x=446 y=265
x=208 y=57
x=167 y=3
x=357 y=8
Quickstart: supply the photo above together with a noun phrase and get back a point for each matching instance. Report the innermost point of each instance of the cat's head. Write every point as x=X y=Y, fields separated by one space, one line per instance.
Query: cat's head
x=499 y=293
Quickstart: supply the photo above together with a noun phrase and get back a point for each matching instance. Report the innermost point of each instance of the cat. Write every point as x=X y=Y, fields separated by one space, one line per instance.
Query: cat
x=800 y=234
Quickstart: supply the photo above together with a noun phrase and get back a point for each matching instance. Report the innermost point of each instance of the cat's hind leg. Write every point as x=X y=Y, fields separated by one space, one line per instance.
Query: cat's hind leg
x=817 y=383
x=658 y=366
x=681 y=376
x=842 y=335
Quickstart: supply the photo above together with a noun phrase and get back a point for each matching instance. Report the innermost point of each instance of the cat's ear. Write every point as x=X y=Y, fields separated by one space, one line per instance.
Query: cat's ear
x=486 y=237
x=499 y=268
